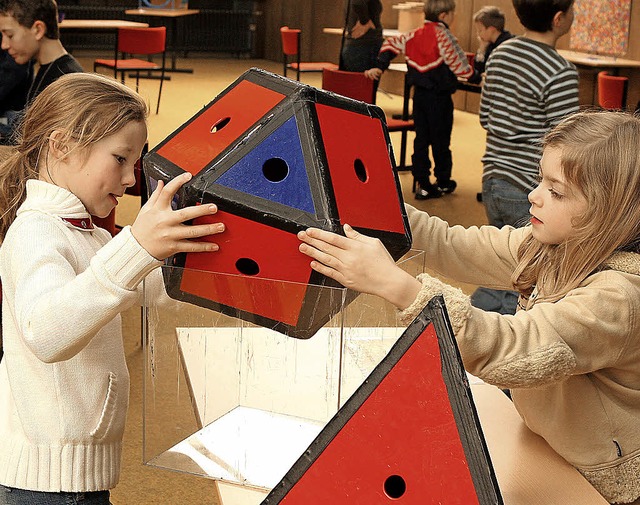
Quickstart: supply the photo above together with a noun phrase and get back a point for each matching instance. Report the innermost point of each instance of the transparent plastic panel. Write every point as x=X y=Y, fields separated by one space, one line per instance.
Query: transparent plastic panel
x=227 y=399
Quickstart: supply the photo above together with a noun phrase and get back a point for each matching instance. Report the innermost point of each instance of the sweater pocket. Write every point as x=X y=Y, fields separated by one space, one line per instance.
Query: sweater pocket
x=109 y=409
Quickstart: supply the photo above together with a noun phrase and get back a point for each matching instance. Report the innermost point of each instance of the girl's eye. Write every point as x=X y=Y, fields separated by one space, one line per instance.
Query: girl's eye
x=556 y=195
x=120 y=159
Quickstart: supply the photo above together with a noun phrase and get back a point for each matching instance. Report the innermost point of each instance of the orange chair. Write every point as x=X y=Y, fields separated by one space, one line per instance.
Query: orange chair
x=138 y=41
x=612 y=91
x=358 y=86
x=291 y=48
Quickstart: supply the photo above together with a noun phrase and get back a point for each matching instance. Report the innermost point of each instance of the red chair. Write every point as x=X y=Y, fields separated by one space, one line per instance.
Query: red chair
x=138 y=41
x=358 y=86
x=612 y=91
x=291 y=49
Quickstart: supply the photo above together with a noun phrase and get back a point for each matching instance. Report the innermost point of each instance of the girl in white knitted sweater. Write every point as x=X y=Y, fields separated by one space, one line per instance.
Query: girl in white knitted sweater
x=64 y=383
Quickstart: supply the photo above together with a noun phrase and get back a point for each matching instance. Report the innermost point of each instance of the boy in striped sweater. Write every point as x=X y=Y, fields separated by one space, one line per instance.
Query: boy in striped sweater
x=528 y=89
x=435 y=60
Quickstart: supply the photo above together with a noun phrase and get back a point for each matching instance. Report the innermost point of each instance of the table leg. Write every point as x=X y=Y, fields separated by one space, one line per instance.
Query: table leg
x=174 y=50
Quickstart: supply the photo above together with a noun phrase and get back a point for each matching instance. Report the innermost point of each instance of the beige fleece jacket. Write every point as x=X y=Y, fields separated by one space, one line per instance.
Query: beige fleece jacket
x=573 y=366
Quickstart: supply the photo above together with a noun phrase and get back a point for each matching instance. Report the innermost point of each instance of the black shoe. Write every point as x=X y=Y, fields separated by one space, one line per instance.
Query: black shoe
x=448 y=186
x=427 y=193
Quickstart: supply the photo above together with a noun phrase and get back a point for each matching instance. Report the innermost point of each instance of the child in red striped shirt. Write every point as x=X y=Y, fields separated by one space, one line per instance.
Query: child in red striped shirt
x=435 y=61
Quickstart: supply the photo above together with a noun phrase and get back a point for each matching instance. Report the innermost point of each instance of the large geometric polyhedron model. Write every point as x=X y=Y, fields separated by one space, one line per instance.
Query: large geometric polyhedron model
x=410 y=434
x=278 y=156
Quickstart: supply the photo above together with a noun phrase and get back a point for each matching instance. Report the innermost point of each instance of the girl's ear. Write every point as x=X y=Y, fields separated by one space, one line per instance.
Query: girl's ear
x=39 y=29
x=57 y=148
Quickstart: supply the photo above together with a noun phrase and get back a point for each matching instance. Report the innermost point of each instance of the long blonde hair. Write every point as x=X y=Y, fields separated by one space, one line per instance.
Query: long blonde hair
x=85 y=108
x=599 y=156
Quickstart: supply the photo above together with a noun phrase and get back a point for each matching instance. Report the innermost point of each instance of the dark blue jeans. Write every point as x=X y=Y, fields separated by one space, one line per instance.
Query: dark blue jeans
x=13 y=496
x=505 y=205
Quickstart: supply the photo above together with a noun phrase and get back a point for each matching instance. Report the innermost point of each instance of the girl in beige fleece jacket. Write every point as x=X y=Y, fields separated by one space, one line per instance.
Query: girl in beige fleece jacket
x=571 y=354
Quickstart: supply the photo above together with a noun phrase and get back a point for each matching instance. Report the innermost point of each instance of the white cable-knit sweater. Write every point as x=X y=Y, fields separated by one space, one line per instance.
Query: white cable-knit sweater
x=64 y=383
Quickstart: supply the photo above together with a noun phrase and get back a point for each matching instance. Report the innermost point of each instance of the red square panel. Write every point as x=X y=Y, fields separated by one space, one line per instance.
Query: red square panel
x=361 y=172
x=224 y=121
x=251 y=252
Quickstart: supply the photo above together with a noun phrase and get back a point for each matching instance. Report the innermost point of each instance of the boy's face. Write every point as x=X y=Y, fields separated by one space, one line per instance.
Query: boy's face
x=565 y=20
x=447 y=17
x=19 y=41
x=486 y=33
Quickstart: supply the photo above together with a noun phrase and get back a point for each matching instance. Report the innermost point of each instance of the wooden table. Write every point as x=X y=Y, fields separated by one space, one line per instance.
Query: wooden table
x=99 y=26
x=597 y=61
x=386 y=32
x=173 y=15
x=593 y=64
x=529 y=472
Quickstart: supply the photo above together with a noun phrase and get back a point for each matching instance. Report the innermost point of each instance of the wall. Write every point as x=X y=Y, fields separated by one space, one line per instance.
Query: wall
x=313 y=15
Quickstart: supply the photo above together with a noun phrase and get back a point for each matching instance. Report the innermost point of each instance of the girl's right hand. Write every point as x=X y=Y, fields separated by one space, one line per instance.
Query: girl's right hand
x=161 y=231
x=360 y=263
x=373 y=73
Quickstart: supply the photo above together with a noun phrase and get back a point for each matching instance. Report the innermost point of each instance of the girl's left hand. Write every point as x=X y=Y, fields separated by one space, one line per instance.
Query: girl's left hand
x=360 y=263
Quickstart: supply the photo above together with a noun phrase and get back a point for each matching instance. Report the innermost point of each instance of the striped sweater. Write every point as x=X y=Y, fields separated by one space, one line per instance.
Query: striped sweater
x=528 y=89
x=434 y=58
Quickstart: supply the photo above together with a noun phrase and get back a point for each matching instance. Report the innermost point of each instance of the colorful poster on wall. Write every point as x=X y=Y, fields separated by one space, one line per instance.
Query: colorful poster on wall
x=601 y=26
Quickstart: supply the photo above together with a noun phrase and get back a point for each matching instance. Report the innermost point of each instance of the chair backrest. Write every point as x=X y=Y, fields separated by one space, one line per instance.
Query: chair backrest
x=142 y=40
x=354 y=85
x=290 y=40
x=612 y=91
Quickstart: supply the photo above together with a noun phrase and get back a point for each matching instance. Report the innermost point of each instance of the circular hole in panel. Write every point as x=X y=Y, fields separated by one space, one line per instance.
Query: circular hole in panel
x=247 y=266
x=361 y=172
x=275 y=169
x=220 y=124
x=395 y=486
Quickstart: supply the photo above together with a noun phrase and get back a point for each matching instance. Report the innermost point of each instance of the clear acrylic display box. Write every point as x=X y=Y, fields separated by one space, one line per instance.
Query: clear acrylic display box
x=232 y=401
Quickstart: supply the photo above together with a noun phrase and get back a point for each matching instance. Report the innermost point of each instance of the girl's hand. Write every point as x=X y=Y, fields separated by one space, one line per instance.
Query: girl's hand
x=373 y=73
x=160 y=229
x=359 y=262
x=360 y=29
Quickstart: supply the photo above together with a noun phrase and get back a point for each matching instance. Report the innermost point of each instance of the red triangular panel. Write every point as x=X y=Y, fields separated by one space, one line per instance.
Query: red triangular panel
x=411 y=436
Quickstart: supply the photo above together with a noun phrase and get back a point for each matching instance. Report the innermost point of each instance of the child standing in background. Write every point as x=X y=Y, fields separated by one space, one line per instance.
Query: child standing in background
x=64 y=383
x=571 y=353
x=435 y=60
x=528 y=89
x=489 y=23
x=30 y=32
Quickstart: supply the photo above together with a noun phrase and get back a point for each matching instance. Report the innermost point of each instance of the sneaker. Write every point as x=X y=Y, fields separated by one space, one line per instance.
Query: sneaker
x=427 y=193
x=448 y=186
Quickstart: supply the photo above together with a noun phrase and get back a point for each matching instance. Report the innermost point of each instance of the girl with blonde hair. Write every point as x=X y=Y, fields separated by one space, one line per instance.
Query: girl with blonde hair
x=64 y=383
x=571 y=353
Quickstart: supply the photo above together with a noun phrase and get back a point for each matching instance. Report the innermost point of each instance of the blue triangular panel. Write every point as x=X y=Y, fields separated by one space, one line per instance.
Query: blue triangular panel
x=274 y=170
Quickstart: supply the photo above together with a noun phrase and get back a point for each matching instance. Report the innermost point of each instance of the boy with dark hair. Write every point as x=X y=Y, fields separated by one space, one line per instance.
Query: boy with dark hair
x=435 y=60
x=528 y=89
x=30 y=32
x=489 y=23
x=14 y=83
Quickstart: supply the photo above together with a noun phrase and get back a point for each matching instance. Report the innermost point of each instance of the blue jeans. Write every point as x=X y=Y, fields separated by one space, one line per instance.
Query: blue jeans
x=505 y=205
x=13 y=496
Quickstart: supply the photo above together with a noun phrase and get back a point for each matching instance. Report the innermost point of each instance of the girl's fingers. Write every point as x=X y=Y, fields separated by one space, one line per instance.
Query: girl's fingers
x=316 y=237
x=170 y=189
x=195 y=211
x=318 y=255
